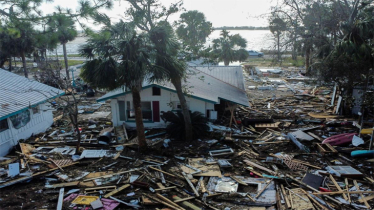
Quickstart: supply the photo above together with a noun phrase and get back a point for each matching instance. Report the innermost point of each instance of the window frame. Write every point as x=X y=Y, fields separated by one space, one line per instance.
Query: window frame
x=35 y=108
x=4 y=122
x=153 y=91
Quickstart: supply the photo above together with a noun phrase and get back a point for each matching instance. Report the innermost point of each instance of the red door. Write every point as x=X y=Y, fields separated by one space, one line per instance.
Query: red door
x=156 y=111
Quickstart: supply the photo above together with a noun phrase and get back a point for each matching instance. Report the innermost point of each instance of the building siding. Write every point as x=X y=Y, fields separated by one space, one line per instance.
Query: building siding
x=164 y=101
x=39 y=123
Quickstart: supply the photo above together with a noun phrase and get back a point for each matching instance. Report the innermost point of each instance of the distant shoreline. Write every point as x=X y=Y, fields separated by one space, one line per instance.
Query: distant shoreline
x=252 y=28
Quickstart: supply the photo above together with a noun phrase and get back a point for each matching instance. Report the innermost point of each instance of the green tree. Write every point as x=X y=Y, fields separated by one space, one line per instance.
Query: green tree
x=353 y=57
x=229 y=48
x=122 y=61
x=314 y=26
x=193 y=30
x=277 y=27
x=18 y=40
x=150 y=16
x=63 y=27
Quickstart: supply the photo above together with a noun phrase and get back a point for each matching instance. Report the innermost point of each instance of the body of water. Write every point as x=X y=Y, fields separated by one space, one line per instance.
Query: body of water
x=256 y=40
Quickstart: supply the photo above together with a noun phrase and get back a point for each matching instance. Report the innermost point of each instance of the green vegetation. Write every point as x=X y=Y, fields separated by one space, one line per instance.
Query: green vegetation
x=72 y=63
x=176 y=129
x=229 y=48
x=286 y=62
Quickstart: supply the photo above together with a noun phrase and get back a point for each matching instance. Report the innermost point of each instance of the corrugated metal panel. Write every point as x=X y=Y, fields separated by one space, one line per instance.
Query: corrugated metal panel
x=229 y=74
x=200 y=85
x=18 y=93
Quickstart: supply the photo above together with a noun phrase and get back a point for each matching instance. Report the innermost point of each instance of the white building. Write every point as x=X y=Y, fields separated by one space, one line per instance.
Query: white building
x=207 y=88
x=24 y=110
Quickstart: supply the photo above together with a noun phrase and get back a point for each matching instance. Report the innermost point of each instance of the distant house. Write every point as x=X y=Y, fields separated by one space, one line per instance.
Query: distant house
x=208 y=88
x=23 y=108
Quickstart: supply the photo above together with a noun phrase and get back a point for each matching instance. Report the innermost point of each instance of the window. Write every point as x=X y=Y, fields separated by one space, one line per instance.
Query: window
x=35 y=110
x=130 y=113
x=122 y=110
x=21 y=119
x=146 y=110
x=156 y=91
x=3 y=125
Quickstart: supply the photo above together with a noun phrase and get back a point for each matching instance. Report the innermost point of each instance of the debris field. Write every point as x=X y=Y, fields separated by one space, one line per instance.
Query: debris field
x=289 y=150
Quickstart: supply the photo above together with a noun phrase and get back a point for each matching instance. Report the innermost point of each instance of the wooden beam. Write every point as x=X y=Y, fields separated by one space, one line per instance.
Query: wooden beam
x=362 y=195
x=259 y=193
x=191 y=185
x=117 y=190
x=169 y=201
x=184 y=199
x=346 y=188
x=288 y=203
x=341 y=192
x=156 y=169
x=338 y=187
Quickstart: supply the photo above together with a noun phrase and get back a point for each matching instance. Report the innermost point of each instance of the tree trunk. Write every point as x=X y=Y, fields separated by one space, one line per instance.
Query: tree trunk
x=278 y=37
x=139 y=118
x=24 y=64
x=66 y=61
x=185 y=110
x=226 y=62
x=294 y=50
x=10 y=64
x=307 y=59
x=78 y=132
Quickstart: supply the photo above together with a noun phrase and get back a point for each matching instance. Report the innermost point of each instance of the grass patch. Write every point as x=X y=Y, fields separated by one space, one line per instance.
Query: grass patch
x=259 y=61
x=71 y=63
x=286 y=62
x=70 y=55
x=299 y=62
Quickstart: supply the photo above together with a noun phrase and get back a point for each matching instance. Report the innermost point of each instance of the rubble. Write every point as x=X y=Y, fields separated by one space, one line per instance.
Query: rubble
x=289 y=150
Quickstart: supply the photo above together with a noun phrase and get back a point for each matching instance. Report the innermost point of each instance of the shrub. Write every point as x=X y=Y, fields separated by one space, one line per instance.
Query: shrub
x=175 y=127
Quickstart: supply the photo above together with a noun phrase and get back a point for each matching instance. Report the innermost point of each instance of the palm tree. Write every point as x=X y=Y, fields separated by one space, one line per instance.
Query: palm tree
x=229 y=48
x=123 y=61
x=64 y=27
x=168 y=67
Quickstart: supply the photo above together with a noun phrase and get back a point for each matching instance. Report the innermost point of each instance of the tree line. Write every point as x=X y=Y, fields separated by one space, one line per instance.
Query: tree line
x=335 y=38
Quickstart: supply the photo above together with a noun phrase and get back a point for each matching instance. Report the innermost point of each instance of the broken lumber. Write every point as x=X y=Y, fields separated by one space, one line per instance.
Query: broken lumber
x=363 y=198
x=117 y=190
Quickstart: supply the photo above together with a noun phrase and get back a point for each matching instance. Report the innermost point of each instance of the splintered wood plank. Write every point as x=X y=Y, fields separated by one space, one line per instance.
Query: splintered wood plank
x=315 y=136
x=338 y=187
x=288 y=202
x=259 y=167
x=300 y=201
x=117 y=190
x=363 y=199
x=346 y=188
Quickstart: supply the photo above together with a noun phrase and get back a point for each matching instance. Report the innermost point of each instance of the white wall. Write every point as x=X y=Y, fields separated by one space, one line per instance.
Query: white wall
x=38 y=123
x=165 y=98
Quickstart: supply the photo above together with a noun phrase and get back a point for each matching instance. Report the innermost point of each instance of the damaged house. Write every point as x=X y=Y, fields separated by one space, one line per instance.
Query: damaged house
x=24 y=109
x=208 y=89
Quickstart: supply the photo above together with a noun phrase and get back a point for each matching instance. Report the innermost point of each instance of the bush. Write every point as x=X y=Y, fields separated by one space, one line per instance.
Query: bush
x=175 y=128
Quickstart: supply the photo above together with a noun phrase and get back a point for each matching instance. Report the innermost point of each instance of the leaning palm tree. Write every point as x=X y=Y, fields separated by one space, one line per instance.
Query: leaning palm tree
x=168 y=67
x=122 y=61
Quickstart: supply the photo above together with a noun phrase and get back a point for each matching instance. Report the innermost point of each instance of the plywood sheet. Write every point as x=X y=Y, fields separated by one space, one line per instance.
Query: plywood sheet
x=298 y=203
x=26 y=148
x=199 y=163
